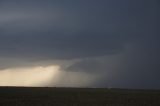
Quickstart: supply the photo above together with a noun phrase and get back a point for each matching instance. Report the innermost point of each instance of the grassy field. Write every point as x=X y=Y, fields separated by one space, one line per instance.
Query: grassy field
x=20 y=96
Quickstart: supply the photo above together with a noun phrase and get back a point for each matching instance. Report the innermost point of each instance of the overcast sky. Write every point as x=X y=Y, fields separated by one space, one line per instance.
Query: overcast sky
x=94 y=43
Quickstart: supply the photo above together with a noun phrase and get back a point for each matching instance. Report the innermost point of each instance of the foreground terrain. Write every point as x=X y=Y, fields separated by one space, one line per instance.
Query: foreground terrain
x=21 y=96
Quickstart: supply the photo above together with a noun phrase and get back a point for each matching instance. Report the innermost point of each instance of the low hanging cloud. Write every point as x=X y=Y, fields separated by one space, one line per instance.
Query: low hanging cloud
x=136 y=67
x=115 y=40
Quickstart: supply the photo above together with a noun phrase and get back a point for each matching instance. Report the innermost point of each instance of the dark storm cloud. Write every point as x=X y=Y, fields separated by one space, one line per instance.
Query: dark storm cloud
x=76 y=46
x=90 y=29
x=114 y=38
x=137 y=67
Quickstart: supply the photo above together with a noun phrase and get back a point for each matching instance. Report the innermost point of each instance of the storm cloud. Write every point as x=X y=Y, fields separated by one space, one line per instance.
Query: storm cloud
x=117 y=40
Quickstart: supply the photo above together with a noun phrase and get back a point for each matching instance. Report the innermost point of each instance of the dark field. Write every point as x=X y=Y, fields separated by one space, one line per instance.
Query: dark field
x=19 y=96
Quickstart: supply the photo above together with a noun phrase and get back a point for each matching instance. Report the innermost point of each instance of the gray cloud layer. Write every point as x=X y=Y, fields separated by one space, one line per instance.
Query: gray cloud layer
x=64 y=30
x=61 y=33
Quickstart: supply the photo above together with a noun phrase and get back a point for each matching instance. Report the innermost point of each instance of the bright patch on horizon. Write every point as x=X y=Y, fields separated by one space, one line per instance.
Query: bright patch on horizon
x=33 y=76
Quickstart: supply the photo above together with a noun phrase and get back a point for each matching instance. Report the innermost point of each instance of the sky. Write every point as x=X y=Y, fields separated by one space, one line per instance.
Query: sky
x=80 y=43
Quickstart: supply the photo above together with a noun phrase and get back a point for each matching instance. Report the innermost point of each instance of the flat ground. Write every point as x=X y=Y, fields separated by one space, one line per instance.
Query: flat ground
x=20 y=96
